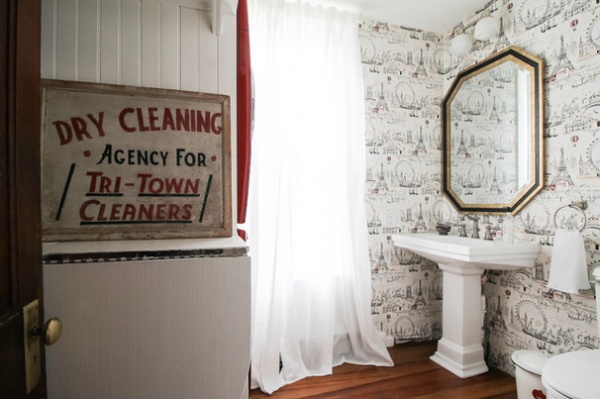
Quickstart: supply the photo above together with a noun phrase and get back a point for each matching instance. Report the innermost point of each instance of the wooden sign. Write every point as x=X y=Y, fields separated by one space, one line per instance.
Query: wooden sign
x=122 y=162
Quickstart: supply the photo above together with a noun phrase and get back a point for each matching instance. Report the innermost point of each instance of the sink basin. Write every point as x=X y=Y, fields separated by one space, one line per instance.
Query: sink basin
x=465 y=252
x=462 y=261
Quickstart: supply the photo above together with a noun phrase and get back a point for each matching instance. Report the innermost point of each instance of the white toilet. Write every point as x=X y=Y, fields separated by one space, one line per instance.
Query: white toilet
x=575 y=375
x=528 y=373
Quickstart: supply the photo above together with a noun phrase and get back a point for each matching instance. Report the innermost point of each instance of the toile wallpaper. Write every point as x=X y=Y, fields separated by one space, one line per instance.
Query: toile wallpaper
x=407 y=73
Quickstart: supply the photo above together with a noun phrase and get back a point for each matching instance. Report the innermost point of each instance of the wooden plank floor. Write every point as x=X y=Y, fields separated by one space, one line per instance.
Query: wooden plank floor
x=413 y=376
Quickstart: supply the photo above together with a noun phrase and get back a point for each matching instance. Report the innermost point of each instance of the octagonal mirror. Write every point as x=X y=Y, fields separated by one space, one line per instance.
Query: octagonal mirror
x=492 y=138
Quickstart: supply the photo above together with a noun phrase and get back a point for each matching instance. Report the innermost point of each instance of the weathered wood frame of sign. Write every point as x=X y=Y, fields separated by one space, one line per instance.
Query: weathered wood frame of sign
x=124 y=162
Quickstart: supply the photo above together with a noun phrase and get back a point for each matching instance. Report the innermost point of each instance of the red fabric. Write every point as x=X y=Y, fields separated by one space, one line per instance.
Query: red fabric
x=244 y=111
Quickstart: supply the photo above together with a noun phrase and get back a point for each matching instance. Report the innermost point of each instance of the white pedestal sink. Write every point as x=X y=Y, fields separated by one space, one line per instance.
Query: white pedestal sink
x=462 y=261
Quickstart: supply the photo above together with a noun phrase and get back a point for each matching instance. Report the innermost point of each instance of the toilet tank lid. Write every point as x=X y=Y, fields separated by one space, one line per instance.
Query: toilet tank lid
x=530 y=360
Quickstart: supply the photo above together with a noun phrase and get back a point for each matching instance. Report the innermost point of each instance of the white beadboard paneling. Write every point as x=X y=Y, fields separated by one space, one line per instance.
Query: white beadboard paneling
x=227 y=84
x=226 y=61
x=169 y=46
x=208 y=53
x=130 y=42
x=152 y=330
x=150 y=34
x=88 y=49
x=189 y=49
x=48 y=50
x=110 y=41
x=66 y=39
x=166 y=44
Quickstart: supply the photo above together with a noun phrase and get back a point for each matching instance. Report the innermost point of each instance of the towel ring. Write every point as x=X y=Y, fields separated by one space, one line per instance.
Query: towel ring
x=580 y=206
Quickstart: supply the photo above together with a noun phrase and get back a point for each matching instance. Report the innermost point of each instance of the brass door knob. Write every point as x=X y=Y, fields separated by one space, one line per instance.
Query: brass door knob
x=50 y=332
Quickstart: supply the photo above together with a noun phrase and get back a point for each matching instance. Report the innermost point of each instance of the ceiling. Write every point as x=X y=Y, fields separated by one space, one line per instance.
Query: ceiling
x=438 y=16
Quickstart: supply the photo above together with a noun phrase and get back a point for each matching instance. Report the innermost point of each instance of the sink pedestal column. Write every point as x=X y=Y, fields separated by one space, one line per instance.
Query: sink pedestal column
x=460 y=350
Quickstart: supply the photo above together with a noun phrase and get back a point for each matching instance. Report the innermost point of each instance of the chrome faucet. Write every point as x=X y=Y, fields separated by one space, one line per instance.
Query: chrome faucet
x=475 y=220
x=460 y=223
x=490 y=231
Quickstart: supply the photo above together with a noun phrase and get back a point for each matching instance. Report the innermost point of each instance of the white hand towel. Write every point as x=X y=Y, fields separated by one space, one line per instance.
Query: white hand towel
x=568 y=269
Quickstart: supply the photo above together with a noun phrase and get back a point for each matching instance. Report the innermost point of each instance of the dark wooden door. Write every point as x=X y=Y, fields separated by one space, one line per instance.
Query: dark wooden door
x=20 y=241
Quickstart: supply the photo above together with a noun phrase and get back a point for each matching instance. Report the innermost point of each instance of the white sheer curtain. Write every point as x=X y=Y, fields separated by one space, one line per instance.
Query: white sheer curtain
x=306 y=218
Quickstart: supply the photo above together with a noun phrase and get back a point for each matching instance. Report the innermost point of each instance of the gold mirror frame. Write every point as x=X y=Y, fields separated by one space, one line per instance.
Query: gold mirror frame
x=460 y=192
